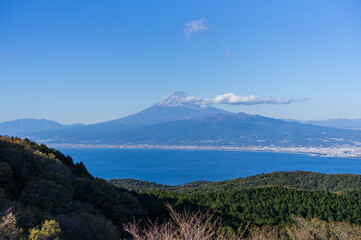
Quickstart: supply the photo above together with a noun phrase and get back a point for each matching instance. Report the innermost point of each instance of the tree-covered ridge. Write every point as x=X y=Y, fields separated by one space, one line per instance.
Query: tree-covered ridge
x=266 y=205
x=40 y=184
x=270 y=205
x=44 y=195
x=140 y=185
x=296 y=179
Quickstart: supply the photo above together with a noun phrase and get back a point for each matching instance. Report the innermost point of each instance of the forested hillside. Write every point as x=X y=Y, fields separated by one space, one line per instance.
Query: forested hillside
x=38 y=184
x=44 y=195
x=269 y=206
x=297 y=179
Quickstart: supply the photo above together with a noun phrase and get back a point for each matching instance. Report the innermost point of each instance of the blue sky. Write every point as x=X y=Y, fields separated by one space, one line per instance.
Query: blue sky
x=92 y=61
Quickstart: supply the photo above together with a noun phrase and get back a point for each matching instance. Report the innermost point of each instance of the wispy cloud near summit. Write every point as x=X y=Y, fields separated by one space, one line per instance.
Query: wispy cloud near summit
x=233 y=99
x=194 y=26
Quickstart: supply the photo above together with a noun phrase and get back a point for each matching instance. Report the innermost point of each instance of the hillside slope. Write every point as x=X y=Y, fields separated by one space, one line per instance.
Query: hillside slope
x=43 y=188
x=296 y=179
x=38 y=183
x=234 y=130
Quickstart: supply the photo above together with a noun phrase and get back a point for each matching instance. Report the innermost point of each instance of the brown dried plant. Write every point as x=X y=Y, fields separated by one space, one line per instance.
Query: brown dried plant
x=201 y=225
x=184 y=225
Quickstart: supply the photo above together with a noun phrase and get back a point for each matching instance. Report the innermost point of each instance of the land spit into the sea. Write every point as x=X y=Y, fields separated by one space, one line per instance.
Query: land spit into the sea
x=343 y=151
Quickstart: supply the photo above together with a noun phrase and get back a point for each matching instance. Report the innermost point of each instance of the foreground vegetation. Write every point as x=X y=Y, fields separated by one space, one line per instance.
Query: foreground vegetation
x=272 y=206
x=39 y=184
x=45 y=195
x=200 y=226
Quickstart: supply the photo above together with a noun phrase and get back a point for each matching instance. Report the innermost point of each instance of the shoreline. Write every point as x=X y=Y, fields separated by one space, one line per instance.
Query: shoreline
x=340 y=151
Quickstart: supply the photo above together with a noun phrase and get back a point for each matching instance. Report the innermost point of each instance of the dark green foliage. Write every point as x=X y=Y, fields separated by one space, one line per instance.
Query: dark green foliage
x=119 y=206
x=46 y=195
x=77 y=169
x=257 y=199
x=297 y=179
x=40 y=183
x=269 y=205
x=6 y=173
x=58 y=179
x=134 y=184
x=87 y=227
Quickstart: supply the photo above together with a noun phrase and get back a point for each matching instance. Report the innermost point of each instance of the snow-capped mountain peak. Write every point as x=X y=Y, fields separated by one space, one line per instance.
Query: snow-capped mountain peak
x=179 y=99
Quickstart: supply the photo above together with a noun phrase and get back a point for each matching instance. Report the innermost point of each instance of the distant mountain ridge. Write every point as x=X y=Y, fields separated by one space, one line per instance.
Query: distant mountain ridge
x=335 y=123
x=176 y=106
x=233 y=130
x=21 y=126
x=173 y=107
x=180 y=120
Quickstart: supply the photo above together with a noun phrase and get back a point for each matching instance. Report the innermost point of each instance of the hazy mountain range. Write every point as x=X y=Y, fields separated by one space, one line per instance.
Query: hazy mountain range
x=178 y=121
x=334 y=123
x=23 y=126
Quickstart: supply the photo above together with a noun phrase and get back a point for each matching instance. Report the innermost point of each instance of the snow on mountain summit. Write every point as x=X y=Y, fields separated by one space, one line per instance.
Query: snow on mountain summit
x=181 y=99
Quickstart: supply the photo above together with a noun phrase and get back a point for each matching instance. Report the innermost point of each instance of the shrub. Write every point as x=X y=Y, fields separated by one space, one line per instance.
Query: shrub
x=49 y=230
x=8 y=228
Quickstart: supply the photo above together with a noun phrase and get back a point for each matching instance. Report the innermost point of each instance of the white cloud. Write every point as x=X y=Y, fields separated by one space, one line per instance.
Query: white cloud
x=194 y=26
x=233 y=99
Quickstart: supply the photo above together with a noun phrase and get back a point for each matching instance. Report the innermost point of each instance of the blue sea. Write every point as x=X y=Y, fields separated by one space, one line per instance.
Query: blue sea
x=181 y=166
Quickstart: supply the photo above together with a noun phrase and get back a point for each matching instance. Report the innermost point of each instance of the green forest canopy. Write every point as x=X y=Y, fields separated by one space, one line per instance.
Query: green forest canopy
x=40 y=184
x=296 y=179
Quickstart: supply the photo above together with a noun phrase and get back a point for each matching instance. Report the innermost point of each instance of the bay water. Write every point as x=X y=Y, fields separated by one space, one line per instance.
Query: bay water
x=181 y=166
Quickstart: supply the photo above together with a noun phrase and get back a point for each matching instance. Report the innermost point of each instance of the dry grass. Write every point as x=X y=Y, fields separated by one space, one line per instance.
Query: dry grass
x=266 y=232
x=317 y=229
x=184 y=225
x=187 y=225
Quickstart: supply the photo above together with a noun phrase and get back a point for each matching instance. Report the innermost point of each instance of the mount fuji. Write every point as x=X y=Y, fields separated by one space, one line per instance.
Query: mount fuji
x=176 y=106
x=182 y=120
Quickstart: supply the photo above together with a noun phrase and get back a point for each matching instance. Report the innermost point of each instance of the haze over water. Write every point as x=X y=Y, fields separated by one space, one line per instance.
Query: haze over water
x=181 y=166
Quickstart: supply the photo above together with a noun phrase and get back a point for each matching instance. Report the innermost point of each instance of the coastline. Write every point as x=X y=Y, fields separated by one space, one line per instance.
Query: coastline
x=339 y=151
